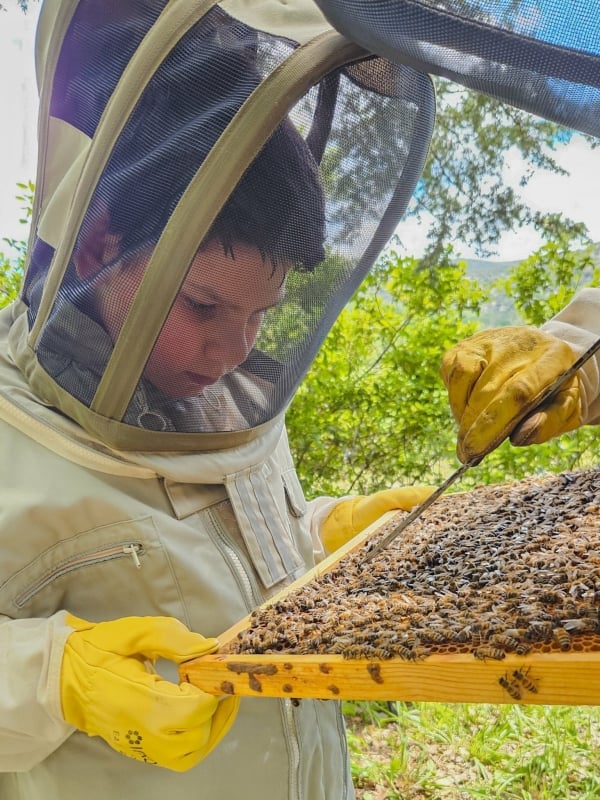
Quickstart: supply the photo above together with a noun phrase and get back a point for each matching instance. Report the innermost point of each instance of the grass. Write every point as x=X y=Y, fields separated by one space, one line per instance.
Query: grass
x=421 y=751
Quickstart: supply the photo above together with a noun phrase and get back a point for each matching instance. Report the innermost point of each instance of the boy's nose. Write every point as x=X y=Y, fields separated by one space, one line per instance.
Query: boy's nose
x=229 y=348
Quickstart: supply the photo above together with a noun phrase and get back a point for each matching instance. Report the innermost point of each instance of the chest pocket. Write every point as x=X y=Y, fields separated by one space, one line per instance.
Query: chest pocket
x=114 y=570
x=262 y=502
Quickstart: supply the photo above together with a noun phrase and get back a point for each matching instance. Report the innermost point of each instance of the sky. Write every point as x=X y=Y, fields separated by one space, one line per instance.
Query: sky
x=576 y=195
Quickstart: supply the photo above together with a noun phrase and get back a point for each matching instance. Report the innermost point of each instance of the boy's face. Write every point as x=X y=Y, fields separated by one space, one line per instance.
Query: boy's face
x=215 y=318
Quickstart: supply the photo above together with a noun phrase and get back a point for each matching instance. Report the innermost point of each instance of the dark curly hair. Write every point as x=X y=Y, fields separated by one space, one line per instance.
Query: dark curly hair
x=278 y=204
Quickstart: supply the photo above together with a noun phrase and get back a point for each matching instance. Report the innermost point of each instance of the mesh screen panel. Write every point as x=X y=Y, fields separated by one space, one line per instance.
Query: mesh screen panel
x=283 y=254
x=539 y=55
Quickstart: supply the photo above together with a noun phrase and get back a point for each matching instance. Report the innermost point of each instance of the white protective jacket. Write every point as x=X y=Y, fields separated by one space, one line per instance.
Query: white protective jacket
x=75 y=520
x=578 y=324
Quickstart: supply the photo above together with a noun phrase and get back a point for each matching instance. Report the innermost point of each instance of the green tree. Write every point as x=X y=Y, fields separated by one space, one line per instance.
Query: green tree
x=546 y=281
x=372 y=409
x=463 y=187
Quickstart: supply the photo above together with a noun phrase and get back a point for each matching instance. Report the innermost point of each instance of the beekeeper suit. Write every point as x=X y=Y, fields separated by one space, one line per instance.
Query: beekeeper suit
x=211 y=190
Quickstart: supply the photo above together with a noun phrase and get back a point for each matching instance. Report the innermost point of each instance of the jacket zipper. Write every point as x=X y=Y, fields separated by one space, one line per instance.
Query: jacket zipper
x=252 y=597
x=245 y=582
x=294 y=747
x=132 y=550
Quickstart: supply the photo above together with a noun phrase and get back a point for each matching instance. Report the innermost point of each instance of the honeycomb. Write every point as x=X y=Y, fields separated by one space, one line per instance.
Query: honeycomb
x=502 y=569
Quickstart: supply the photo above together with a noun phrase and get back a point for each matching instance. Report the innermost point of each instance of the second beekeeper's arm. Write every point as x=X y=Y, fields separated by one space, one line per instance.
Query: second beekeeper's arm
x=492 y=375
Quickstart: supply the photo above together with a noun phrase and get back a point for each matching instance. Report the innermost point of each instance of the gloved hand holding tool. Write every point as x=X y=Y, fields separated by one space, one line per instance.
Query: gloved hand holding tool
x=497 y=377
x=108 y=691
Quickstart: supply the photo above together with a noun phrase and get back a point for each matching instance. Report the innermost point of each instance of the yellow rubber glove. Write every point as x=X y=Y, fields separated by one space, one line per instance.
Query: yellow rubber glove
x=353 y=515
x=491 y=376
x=108 y=691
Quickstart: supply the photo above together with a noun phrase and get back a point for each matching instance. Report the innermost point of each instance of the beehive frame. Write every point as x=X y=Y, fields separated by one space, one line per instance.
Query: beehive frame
x=549 y=678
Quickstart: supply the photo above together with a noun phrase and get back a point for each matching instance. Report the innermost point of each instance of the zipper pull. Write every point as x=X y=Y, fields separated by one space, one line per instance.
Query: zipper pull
x=132 y=550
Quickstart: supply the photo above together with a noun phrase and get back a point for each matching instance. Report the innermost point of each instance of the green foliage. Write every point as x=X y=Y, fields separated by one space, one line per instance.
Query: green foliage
x=546 y=281
x=372 y=409
x=463 y=186
x=410 y=751
x=10 y=279
x=12 y=264
x=299 y=313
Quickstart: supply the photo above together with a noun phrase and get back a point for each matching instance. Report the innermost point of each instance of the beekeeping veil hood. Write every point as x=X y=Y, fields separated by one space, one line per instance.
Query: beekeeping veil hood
x=542 y=56
x=214 y=182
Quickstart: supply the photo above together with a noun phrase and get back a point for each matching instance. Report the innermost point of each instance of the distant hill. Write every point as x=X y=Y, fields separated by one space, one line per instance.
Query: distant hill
x=499 y=310
x=488 y=271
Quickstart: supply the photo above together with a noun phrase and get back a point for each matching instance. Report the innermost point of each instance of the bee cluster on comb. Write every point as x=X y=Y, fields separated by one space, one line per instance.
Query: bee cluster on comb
x=502 y=569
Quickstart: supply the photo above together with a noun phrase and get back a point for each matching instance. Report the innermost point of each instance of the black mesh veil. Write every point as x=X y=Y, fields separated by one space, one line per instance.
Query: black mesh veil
x=539 y=55
x=217 y=226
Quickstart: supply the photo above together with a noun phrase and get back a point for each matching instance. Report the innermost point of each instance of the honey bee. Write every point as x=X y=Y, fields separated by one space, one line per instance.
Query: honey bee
x=511 y=687
x=539 y=631
x=464 y=634
x=589 y=610
x=380 y=653
x=406 y=653
x=585 y=625
x=486 y=651
x=562 y=638
x=505 y=641
x=523 y=678
x=433 y=635
x=522 y=649
x=314 y=641
x=410 y=640
x=549 y=597
x=479 y=633
x=355 y=652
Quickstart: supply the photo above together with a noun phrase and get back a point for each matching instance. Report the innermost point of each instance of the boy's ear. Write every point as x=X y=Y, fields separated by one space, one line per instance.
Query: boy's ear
x=97 y=247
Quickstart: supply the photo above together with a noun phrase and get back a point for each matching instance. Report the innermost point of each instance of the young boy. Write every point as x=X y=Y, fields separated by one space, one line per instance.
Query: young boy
x=149 y=498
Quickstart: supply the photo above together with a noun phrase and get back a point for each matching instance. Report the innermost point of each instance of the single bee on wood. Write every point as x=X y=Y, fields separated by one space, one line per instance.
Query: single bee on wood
x=511 y=687
x=523 y=678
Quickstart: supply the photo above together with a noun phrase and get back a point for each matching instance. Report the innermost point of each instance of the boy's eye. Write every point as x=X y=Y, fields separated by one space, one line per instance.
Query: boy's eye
x=198 y=308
